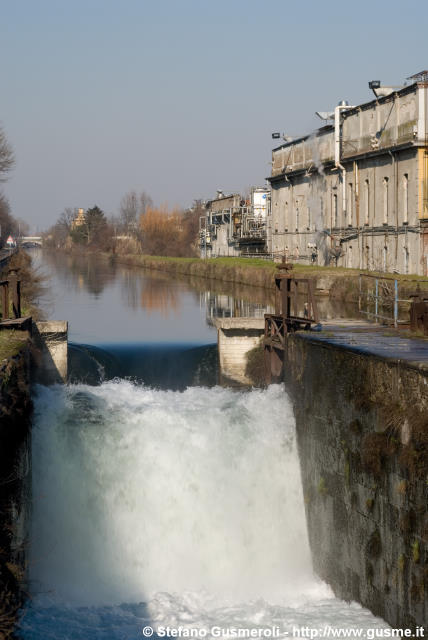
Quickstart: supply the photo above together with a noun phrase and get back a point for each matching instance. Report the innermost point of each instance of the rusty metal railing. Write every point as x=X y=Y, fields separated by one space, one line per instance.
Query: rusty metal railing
x=382 y=297
x=11 y=295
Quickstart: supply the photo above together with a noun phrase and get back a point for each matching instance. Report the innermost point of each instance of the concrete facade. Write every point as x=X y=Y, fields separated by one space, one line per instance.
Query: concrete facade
x=355 y=193
x=233 y=226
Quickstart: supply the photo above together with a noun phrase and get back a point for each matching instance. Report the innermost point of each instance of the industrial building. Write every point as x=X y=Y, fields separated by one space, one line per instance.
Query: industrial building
x=233 y=225
x=355 y=192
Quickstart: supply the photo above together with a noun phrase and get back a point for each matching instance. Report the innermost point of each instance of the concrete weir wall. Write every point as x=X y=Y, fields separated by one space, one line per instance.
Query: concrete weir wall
x=237 y=336
x=362 y=432
x=50 y=339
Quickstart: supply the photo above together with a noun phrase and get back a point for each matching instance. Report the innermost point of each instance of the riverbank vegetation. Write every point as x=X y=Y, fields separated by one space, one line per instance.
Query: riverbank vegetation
x=9 y=226
x=11 y=343
x=167 y=239
x=141 y=228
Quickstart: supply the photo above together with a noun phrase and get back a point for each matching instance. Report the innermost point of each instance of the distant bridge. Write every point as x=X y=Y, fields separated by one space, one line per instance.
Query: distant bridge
x=30 y=241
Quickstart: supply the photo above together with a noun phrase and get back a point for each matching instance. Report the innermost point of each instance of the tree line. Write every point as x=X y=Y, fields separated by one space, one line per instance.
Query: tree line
x=9 y=226
x=140 y=227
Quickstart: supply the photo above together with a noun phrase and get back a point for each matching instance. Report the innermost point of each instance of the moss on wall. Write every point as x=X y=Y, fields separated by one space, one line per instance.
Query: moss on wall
x=362 y=427
x=15 y=412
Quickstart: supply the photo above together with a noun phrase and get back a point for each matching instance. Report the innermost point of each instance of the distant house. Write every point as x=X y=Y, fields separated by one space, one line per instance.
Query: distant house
x=79 y=219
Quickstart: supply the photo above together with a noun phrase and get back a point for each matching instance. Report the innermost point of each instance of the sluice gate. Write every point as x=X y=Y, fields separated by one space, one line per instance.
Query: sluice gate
x=295 y=310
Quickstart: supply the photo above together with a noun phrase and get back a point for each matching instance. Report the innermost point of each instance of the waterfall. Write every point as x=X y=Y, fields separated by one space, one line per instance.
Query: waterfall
x=168 y=507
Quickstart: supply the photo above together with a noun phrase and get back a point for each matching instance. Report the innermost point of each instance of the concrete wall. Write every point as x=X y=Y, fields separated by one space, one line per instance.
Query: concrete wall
x=50 y=339
x=220 y=245
x=237 y=336
x=363 y=439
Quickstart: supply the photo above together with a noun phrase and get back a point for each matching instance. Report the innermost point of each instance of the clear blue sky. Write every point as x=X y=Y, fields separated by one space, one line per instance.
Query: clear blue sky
x=179 y=98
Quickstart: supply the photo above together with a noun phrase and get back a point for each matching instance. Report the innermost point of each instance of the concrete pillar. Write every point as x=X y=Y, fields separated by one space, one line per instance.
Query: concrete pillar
x=237 y=336
x=50 y=339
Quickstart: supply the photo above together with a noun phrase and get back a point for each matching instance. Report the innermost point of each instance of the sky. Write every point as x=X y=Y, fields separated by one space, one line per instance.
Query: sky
x=179 y=98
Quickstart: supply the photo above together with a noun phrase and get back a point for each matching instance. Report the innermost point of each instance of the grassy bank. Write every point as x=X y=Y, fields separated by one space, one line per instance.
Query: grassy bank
x=11 y=343
x=248 y=271
x=337 y=282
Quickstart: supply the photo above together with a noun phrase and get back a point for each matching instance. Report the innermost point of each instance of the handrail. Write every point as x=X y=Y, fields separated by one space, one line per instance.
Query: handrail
x=380 y=300
x=11 y=286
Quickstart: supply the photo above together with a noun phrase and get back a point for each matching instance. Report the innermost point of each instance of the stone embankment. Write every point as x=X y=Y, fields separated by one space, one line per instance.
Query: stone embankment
x=15 y=484
x=341 y=284
x=362 y=429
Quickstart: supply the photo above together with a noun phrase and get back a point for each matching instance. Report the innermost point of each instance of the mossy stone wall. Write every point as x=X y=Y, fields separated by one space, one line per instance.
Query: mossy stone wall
x=362 y=430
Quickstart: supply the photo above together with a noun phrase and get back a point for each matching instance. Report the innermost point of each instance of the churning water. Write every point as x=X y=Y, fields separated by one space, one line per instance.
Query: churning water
x=171 y=508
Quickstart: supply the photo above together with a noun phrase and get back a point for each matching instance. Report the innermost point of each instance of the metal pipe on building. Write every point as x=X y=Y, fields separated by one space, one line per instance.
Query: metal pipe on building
x=337 y=143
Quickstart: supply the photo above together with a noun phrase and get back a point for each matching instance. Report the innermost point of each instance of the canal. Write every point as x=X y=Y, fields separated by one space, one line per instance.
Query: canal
x=160 y=498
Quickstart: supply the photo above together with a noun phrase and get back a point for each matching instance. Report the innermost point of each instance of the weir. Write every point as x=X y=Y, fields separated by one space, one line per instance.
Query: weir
x=157 y=506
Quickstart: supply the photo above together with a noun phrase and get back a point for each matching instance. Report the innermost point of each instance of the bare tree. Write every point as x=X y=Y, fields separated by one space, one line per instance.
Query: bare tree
x=129 y=210
x=145 y=203
x=23 y=227
x=7 y=159
x=8 y=224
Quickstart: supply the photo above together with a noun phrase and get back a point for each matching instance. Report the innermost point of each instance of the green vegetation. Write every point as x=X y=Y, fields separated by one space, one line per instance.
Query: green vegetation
x=374 y=545
x=255 y=369
x=11 y=343
x=370 y=504
x=416 y=554
x=322 y=487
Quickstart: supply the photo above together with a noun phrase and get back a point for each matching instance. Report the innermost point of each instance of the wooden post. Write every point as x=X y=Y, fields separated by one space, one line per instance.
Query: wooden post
x=277 y=296
x=296 y=299
x=5 y=301
x=311 y=295
x=15 y=286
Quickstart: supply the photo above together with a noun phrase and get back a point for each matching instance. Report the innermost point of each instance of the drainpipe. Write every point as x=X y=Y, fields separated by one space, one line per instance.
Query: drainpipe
x=357 y=212
x=394 y=164
x=337 y=141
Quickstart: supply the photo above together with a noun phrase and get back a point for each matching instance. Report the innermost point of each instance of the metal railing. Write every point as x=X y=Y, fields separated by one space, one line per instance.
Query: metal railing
x=11 y=292
x=380 y=298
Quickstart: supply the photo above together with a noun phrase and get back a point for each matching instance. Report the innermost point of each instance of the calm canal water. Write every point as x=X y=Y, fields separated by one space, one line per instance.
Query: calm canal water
x=159 y=498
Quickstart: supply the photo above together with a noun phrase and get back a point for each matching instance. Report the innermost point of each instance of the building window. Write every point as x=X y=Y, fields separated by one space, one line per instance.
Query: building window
x=366 y=202
x=350 y=207
x=297 y=216
x=385 y=258
x=335 y=220
x=350 y=256
x=385 y=200
x=286 y=217
x=406 y=199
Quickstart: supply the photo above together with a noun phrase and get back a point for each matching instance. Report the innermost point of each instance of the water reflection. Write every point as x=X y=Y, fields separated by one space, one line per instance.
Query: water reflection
x=81 y=272
x=107 y=302
x=226 y=306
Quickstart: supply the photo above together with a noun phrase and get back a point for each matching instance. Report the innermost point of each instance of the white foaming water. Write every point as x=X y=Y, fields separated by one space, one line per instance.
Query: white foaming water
x=186 y=506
